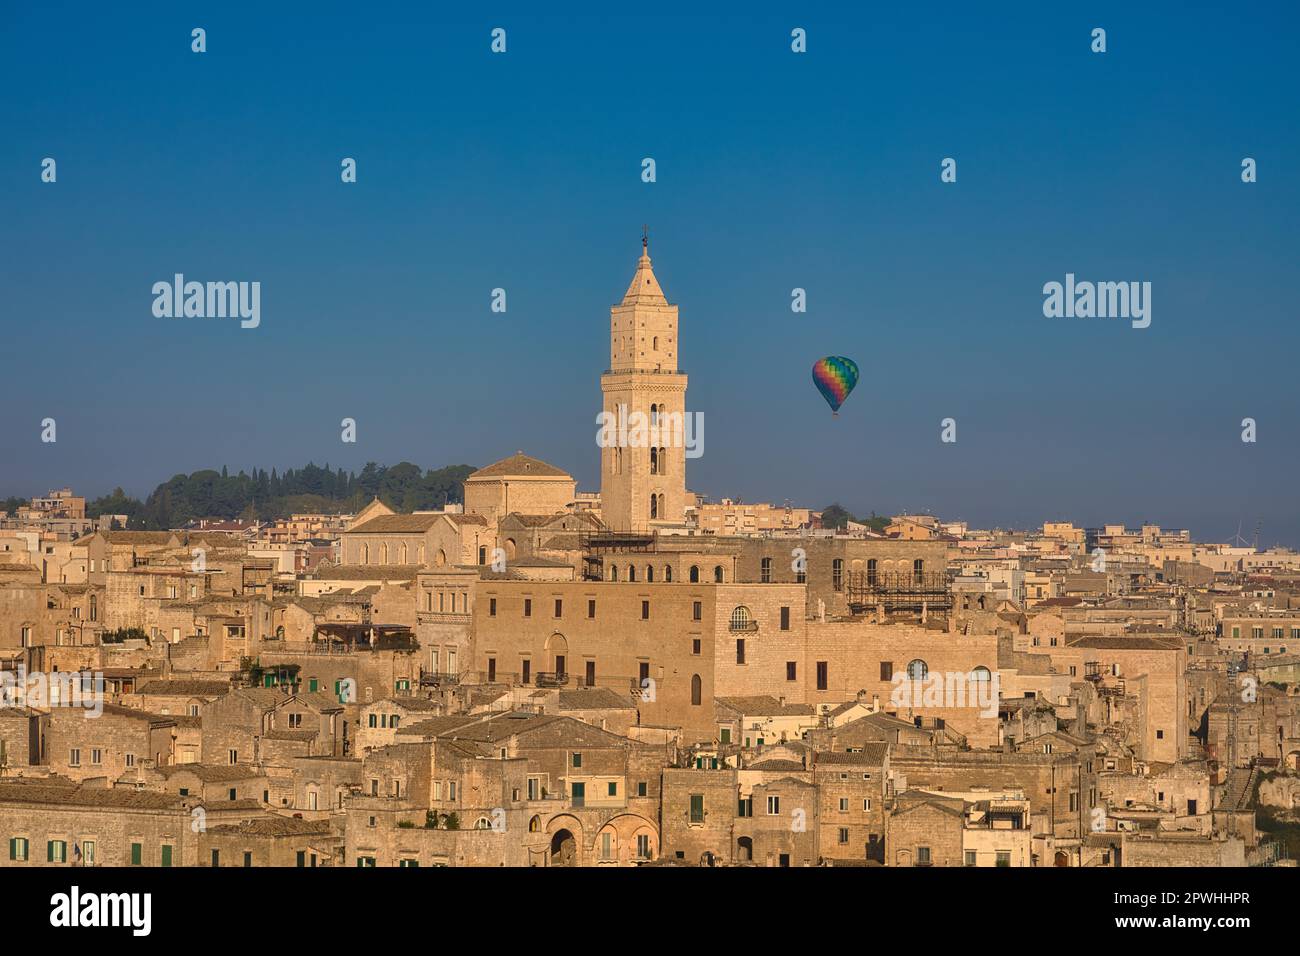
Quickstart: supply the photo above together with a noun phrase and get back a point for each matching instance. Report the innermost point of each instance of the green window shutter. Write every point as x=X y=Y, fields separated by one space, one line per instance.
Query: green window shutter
x=49 y=851
x=13 y=848
x=313 y=685
x=166 y=855
x=302 y=857
x=135 y=854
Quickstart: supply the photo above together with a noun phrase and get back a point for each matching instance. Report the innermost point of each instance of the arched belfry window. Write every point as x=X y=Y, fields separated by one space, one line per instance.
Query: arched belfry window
x=697 y=690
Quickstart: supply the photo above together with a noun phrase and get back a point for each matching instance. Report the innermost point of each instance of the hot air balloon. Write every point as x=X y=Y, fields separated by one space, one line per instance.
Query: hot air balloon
x=835 y=377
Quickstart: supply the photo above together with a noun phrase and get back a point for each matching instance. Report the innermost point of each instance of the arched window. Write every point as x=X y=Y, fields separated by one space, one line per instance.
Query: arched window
x=717 y=574
x=654 y=467
x=981 y=674
x=482 y=823
x=695 y=574
x=917 y=670
x=663 y=461
x=631 y=572
x=654 y=342
x=613 y=572
x=697 y=690
x=441 y=559
x=650 y=573
x=94 y=607
x=365 y=554
x=741 y=619
x=535 y=824
x=654 y=414
x=654 y=507
x=663 y=512
x=405 y=555
x=383 y=553
x=668 y=573
x=279 y=633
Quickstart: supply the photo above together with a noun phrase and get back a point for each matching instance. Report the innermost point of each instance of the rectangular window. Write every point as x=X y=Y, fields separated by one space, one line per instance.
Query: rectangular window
x=822 y=677
x=886 y=670
x=697 y=611
x=591 y=608
x=591 y=674
x=166 y=854
x=528 y=607
x=844 y=835
x=785 y=619
x=791 y=670
x=577 y=760
x=18 y=849
x=697 y=808
x=56 y=851
x=492 y=607
x=740 y=650
x=765 y=571
x=773 y=806
x=613 y=789
x=74 y=757
x=1004 y=858
x=970 y=858
x=695 y=646
x=645 y=610
x=559 y=607
x=922 y=856
x=492 y=670
x=527 y=671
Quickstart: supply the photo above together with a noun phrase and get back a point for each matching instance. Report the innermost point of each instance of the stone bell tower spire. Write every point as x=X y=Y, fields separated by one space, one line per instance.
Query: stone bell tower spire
x=643 y=485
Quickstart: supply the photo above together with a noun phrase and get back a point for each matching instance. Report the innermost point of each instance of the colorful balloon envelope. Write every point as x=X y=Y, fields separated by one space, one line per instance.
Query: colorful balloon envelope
x=835 y=377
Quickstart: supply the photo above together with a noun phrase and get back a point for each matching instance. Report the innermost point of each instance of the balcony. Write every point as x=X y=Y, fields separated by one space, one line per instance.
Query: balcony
x=438 y=679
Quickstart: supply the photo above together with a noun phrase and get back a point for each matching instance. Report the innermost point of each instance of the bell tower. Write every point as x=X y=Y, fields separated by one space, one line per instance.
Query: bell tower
x=643 y=471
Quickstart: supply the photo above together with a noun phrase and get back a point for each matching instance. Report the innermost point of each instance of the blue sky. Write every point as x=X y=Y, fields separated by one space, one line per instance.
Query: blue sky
x=775 y=170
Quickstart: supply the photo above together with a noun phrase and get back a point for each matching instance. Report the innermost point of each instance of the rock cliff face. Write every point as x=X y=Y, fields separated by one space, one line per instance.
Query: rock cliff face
x=1283 y=792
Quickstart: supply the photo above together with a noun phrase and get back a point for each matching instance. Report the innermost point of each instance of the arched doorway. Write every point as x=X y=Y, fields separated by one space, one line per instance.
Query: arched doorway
x=557 y=652
x=745 y=850
x=1062 y=858
x=564 y=849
